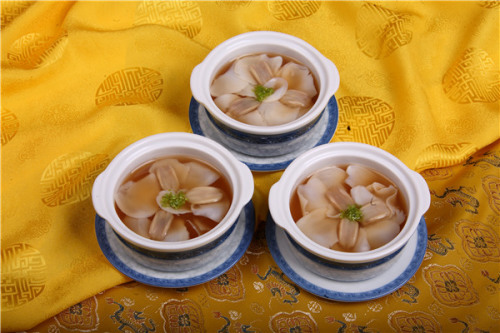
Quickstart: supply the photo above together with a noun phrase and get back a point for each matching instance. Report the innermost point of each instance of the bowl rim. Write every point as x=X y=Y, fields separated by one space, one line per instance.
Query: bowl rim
x=297 y=172
x=148 y=148
x=324 y=69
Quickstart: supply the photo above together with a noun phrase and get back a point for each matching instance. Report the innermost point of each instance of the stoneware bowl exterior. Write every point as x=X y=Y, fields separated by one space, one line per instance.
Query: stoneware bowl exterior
x=323 y=69
x=349 y=266
x=172 y=144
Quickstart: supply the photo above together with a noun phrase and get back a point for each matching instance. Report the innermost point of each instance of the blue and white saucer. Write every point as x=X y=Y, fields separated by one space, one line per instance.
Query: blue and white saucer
x=166 y=273
x=255 y=157
x=405 y=265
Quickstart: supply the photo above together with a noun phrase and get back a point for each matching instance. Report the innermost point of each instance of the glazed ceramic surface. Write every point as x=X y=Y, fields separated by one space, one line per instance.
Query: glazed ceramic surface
x=331 y=283
x=412 y=186
x=177 y=272
x=271 y=42
x=157 y=146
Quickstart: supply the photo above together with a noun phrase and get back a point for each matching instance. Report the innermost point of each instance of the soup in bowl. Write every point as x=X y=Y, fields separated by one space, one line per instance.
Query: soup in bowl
x=172 y=193
x=349 y=204
x=264 y=87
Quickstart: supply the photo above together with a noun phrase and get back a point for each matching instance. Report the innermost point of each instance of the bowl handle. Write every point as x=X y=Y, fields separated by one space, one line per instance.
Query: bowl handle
x=247 y=182
x=97 y=198
x=334 y=83
x=423 y=193
x=195 y=83
x=275 y=206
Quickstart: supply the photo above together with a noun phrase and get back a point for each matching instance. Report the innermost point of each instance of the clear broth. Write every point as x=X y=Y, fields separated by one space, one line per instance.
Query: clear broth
x=296 y=211
x=286 y=59
x=222 y=183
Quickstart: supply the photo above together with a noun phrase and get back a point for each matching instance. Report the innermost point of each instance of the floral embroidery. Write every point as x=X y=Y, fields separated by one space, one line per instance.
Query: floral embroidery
x=228 y=286
x=296 y=321
x=417 y=321
x=182 y=316
x=479 y=241
x=450 y=285
x=81 y=316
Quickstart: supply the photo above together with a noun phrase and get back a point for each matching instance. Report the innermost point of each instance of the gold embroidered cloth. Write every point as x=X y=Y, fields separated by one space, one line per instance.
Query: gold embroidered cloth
x=82 y=80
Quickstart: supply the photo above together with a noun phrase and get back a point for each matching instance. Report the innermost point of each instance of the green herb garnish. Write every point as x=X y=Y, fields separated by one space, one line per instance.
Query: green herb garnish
x=261 y=92
x=174 y=200
x=352 y=213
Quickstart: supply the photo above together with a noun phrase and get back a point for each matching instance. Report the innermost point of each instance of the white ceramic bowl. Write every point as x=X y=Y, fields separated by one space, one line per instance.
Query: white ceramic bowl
x=413 y=187
x=172 y=144
x=325 y=72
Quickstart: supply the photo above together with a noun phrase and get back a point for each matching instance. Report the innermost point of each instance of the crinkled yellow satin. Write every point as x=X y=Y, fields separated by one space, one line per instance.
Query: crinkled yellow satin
x=82 y=80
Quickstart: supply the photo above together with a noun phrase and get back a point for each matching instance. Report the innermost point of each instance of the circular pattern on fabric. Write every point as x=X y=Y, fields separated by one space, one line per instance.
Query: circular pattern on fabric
x=80 y=317
x=296 y=321
x=491 y=185
x=9 y=125
x=450 y=285
x=182 y=316
x=130 y=86
x=479 y=241
x=182 y=16
x=12 y=9
x=69 y=178
x=380 y=31
x=364 y=119
x=23 y=275
x=437 y=174
x=417 y=321
x=473 y=78
x=227 y=286
x=26 y=51
x=34 y=50
x=54 y=51
x=489 y=4
x=440 y=155
x=292 y=10
x=232 y=5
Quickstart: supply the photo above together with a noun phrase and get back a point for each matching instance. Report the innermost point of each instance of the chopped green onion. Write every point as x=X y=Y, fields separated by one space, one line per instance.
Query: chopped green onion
x=352 y=213
x=261 y=92
x=174 y=200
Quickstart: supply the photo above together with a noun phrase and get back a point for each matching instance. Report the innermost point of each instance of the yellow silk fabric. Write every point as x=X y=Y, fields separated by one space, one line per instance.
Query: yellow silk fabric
x=82 y=80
